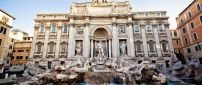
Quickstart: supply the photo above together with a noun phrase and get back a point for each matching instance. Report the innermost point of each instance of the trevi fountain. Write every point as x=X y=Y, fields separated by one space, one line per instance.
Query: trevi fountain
x=114 y=47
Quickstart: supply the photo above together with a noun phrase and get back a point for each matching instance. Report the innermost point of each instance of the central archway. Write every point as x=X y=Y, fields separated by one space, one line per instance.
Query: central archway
x=100 y=35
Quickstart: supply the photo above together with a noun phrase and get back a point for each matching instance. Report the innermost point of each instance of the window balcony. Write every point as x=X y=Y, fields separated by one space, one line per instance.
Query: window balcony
x=149 y=33
x=38 y=54
x=50 y=55
x=162 y=33
x=137 y=33
x=41 y=34
x=139 y=53
x=53 y=34
x=65 y=34
x=63 y=55
x=165 y=53
x=152 y=53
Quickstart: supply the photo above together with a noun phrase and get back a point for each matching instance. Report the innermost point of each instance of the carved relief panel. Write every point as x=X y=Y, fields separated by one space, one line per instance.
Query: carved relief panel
x=79 y=30
x=122 y=29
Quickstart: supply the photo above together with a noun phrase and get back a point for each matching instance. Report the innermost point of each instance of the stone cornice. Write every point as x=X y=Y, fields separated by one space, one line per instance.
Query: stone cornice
x=151 y=17
x=50 y=20
x=8 y=26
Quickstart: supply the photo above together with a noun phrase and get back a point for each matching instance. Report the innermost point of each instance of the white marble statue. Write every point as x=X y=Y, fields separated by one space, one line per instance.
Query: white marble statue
x=78 y=49
x=123 y=48
x=100 y=49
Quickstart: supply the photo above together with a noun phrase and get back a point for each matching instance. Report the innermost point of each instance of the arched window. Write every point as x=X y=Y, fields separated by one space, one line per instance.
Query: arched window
x=136 y=28
x=164 y=45
x=151 y=45
x=51 y=47
x=53 y=28
x=138 y=46
x=148 y=28
x=63 y=47
x=65 y=29
x=39 y=47
x=42 y=28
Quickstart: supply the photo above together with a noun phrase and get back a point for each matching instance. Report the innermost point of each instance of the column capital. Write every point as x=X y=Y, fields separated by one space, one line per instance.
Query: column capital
x=110 y=36
x=60 y=27
x=114 y=23
x=36 y=27
x=71 y=24
x=86 y=23
x=47 y=26
x=142 y=26
x=91 y=37
x=129 y=23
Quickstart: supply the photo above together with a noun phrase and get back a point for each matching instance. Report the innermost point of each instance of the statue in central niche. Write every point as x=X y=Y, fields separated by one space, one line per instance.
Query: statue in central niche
x=100 y=49
x=100 y=53
x=99 y=1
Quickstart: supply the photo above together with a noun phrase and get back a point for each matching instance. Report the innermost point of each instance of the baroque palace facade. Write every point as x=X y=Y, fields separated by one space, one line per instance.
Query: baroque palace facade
x=102 y=28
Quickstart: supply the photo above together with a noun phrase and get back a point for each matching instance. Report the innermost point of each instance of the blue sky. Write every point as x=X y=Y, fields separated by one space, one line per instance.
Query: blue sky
x=25 y=10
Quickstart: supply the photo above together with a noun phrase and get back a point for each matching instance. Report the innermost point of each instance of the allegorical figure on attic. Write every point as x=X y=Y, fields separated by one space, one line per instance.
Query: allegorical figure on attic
x=99 y=1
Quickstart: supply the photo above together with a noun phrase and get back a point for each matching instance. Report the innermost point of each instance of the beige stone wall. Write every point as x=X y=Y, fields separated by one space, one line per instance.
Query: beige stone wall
x=21 y=48
x=109 y=17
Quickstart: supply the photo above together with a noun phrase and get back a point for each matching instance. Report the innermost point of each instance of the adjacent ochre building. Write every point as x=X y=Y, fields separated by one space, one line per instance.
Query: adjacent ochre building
x=21 y=51
x=189 y=26
x=19 y=47
x=108 y=29
x=176 y=41
x=177 y=45
x=6 y=21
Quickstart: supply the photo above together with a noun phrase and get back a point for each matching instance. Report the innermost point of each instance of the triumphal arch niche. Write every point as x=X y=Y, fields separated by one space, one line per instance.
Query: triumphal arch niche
x=106 y=28
x=101 y=42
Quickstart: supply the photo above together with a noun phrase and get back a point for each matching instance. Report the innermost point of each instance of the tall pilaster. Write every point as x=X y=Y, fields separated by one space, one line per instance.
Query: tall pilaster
x=156 y=37
x=45 y=48
x=5 y=47
x=170 y=44
x=131 y=38
x=33 y=45
x=115 y=40
x=59 y=31
x=110 y=53
x=91 y=48
x=86 y=46
x=71 y=46
x=144 y=40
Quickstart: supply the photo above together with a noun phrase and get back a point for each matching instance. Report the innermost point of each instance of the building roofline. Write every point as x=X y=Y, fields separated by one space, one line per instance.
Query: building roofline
x=7 y=14
x=187 y=7
x=147 y=11
x=39 y=14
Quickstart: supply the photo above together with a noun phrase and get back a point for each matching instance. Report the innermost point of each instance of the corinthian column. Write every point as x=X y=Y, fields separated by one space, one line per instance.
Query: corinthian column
x=131 y=41
x=158 y=45
x=144 y=40
x=71 y=46
x=45 y=48
x=33 y=45
x=86 y=47
x=115 y=40
x=58 y=41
